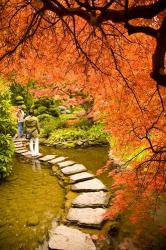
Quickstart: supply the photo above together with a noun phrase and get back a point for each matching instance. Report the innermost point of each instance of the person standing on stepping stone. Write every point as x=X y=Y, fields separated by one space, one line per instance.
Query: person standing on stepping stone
x=20 y=122
x=33 y=131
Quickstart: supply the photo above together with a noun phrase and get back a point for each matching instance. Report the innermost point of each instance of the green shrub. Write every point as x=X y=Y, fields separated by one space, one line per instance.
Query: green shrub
x=84 y=123
x=19 y=98
x=96 y=133
x=41 y=110
x=7 y=130
x=44 y=117
x=49 y=124
x=67 y=134
x=20 y=102
x=93 y=136
x=53 y=111
x=24 y=107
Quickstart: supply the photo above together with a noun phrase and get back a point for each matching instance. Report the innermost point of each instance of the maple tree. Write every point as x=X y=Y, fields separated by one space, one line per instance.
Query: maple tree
x=106 y=49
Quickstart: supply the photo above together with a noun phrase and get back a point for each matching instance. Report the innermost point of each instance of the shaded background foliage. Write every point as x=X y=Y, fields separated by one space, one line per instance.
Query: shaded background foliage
x=7 y=130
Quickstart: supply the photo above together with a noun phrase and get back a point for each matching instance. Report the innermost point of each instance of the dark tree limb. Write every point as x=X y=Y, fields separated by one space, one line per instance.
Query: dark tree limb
x=158 y=56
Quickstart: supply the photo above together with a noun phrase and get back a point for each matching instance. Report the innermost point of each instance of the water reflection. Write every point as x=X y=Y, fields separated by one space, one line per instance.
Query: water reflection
x=29 y=200
x=36 y=165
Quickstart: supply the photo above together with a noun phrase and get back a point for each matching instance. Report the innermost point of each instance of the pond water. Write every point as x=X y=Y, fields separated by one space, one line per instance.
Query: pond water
x=92 y=157
x=31 y=197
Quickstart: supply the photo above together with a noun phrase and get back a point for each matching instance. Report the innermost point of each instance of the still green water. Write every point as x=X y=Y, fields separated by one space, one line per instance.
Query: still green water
x=29 y=200
x=92 y=157
x=31 y=197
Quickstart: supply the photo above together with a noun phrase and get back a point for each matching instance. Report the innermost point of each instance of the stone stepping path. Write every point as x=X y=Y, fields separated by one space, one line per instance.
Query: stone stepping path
x=89 y=185
x=91 y=217
x=87 y=209
x=80 y=177
x=65 y=164
x=91 y=199
x=76 y=168
x=57 y=160
x=65 y=238
x=47 y=158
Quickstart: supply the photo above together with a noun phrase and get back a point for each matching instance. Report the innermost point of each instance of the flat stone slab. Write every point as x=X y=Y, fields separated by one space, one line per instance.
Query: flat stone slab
x=21 y=151
x=58 y=159
x=20 y=139
x=26 y=154
x=74 y=169
x=91 y=199
x=65 y=164
x=19 y=145
x=92 y=217
x=89 y=185
x=80 y=177
x=47 y=157
x=65 y=238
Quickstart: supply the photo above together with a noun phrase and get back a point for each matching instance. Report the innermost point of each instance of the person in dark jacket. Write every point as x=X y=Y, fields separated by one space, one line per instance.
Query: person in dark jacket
x=33 y=131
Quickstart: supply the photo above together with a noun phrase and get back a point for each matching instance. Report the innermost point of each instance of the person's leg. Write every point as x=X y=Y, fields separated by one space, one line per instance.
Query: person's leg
x=36 y=146
x=31 y=142
x=19 y=129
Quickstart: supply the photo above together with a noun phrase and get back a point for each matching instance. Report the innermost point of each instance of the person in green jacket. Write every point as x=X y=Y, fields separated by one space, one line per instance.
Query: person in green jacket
x=32 y=131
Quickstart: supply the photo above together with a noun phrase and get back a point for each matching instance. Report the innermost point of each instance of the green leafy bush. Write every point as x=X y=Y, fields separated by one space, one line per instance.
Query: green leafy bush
x=49 y=123
x=53 y=111
x=41 y=110
x=93 y=136
x=96 y=133
x=19 y=98
x=84 y=123
x=7 y=130
x=44 y=117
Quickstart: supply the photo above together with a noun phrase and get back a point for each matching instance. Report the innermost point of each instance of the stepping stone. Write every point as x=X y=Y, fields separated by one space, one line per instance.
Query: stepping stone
x=91 y=199
x=20 y=148
x=90 y=217
x=81 y=177
x=26 y=154
x=90 y=185
x=19 y=145
x=21 y=151
x=58 y=159
x=47 y=157
x=65 y=164
x=65 y=238
x=74 y=169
